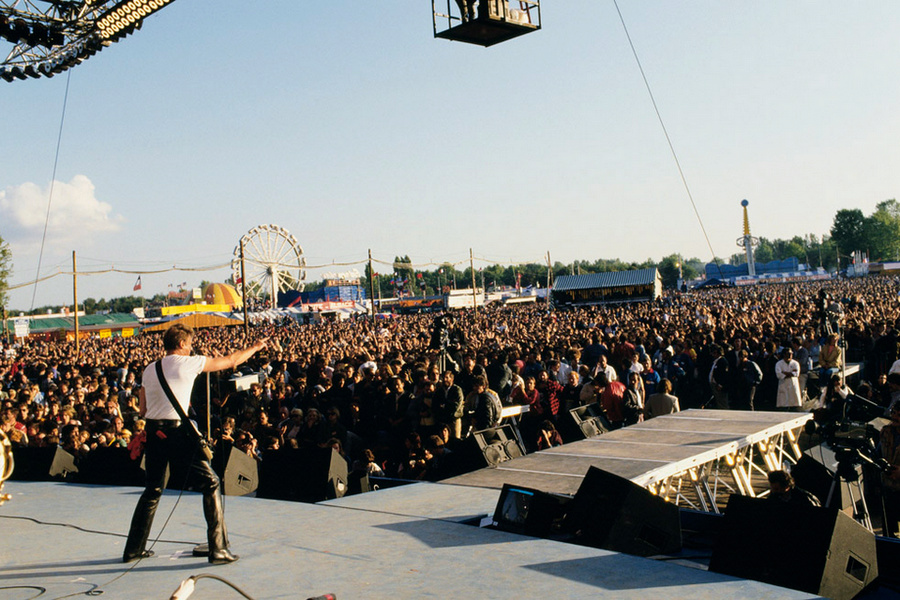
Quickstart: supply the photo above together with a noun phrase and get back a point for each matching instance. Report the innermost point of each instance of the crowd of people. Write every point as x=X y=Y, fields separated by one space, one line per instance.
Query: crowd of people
x=399 y=395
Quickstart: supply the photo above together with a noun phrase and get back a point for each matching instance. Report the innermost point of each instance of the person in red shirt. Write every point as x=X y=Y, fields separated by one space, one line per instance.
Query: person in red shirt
x=612 y=401
x=550 y=390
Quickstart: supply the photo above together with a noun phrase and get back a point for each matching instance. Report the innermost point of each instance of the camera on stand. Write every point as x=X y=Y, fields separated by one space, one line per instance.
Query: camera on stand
x=846 y=429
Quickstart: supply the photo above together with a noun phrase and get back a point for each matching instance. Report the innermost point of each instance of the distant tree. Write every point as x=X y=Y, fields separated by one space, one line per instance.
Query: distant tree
x=668 y=270
x=882 y=230
x=848 y=230
x=765 y=252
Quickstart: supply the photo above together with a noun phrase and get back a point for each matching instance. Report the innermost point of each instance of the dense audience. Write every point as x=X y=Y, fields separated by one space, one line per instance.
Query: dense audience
x=398 y=396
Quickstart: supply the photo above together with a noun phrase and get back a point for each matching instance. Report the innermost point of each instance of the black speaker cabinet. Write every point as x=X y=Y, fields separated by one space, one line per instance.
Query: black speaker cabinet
x=584 y=422
x=358 y=483
x=613 y=513
x=305 y=475
x=36 y=464
x=490 y=447
x=106 y=466
x=812 y=549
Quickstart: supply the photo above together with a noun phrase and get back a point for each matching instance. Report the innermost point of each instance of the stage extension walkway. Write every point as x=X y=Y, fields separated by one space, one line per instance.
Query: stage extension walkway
x=404 y=542
x=695 y=458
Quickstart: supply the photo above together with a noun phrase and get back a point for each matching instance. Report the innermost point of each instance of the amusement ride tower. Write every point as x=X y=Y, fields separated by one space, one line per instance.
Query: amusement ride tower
x=747 y=241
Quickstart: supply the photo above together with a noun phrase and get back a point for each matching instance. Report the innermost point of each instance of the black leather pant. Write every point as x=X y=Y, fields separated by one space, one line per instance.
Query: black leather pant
x=173 y=445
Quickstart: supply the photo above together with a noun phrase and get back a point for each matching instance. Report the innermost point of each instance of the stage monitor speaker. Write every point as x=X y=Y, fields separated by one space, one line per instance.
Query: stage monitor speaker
x=613 y=513
x=337 y=482
x=241 y=475
x=584 y=422
x=490 y=447
x=63 y=464
x=814 y=472
x=529 y=511
x=811 y=549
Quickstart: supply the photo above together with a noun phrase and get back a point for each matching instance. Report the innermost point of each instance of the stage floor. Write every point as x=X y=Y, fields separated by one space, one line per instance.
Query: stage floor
x=405 y=542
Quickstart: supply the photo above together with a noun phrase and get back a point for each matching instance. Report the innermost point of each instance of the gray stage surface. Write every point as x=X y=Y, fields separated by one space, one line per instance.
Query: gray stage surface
x=642 y=452
x=404 y=542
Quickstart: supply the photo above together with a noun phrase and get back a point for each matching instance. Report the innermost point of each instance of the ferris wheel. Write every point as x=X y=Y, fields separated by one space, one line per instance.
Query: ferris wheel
x=273 y=261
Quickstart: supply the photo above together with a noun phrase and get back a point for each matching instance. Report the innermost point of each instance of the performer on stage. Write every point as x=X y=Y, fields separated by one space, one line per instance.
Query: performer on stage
x=168 y=440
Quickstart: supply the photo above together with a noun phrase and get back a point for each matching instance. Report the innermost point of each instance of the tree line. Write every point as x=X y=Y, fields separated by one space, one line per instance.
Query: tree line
x=877 y=234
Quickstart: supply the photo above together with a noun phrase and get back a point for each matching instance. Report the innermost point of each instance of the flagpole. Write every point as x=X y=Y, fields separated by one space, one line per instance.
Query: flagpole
x=244 y=295
x=75 y=300
x=474 y=295
x=372 y=286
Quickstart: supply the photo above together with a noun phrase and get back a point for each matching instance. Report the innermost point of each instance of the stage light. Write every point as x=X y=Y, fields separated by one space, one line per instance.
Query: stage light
x=795 y=447
x=115 y=22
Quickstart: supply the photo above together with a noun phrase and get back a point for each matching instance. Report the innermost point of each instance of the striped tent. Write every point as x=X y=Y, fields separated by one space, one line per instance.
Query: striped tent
x=222 y=293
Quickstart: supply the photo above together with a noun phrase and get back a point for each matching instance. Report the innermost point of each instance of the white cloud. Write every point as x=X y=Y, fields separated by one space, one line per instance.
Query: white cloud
x=76 y=215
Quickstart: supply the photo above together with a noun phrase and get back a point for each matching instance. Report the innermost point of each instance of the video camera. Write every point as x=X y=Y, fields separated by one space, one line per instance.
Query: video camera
x=846 y=428
x=440 y=334
x=830 y=313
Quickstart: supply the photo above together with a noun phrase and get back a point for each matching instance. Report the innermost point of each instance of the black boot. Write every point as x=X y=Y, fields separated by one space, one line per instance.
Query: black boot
x=222 y=557
x=215 y=529
x=141 y=521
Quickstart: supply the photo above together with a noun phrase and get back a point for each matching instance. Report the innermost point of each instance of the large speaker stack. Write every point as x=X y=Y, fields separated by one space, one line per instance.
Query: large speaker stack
x=812 y=549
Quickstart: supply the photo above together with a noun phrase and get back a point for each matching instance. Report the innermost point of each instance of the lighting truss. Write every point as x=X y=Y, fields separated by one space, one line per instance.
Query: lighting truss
x=51 y=36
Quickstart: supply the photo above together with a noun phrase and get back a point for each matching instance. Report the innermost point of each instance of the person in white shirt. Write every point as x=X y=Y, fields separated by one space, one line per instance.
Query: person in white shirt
x=169 y=440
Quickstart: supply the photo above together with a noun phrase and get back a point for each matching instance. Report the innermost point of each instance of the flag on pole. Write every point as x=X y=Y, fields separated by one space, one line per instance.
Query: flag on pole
x=137 y=284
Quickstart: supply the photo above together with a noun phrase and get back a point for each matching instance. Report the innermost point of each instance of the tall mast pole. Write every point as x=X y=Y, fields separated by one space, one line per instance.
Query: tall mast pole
x=244 y=294
x=75 y=300
x=372 y=286
x=474 y=294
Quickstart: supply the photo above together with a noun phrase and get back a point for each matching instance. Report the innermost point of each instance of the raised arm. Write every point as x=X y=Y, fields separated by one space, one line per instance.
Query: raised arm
x=220 y=363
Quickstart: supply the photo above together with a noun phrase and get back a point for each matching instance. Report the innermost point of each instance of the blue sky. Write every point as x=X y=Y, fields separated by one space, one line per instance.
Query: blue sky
x=350 y=126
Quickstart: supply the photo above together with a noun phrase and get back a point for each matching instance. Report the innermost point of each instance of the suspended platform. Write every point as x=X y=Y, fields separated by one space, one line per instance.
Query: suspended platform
x=485 y=22
x=695 y=458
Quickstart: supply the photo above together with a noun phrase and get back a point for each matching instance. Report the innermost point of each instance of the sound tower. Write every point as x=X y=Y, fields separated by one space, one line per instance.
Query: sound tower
x=812 y=549
x=613 y=513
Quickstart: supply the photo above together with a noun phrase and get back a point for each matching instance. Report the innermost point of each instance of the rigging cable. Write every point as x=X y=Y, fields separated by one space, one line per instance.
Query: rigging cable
x=668 y=139
x=62 y=120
